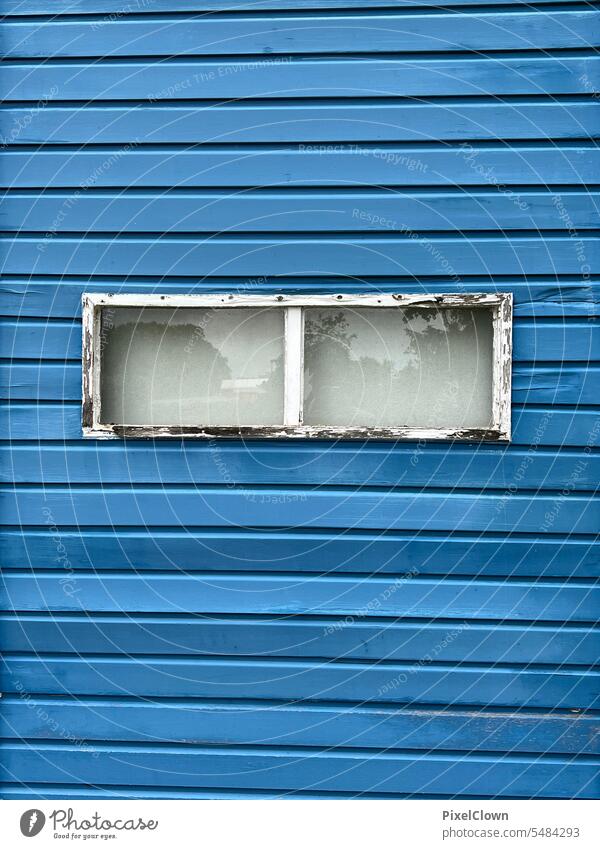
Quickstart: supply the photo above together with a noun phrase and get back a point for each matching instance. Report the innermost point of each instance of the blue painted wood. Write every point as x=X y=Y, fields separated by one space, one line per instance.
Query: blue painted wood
x=20 y=791
x=389 y=772
x=309 y=122
x=287 y=35
x=412 y=596
x=47 y=381
x=285 y=507
x=354 y=638
x=192 y=549
x=555 y=384
x=347 y=165
x=61 y=298
x=257 y=256
x=342 y=464
x=292 y=211
x=94 y=7
x=30 y=421
x=40 y=340
x=294 y=78
x=239 y=678
x=294 y=725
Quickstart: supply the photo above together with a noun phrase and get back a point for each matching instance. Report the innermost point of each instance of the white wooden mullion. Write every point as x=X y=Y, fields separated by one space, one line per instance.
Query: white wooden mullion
x=294 y=366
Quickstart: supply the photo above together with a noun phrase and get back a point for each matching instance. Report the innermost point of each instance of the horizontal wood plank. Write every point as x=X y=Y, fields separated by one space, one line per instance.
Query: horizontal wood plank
x=352 y=638
x=22 y=8
x=343 y=255
x=344 y=164
x=291 y=211
x=411 y=596
x=394 y=466
x=393 y=683
x=358 y=771
x=302 y=34
x=271 y=507
x=45 y=791
x=290 y=725
x=555 y=384
x=191 y=549
x=293 y=78
x=394 y=121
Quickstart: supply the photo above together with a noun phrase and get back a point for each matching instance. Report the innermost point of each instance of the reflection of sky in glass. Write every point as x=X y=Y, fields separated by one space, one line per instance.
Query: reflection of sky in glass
x=192 y=366
x=398 y=367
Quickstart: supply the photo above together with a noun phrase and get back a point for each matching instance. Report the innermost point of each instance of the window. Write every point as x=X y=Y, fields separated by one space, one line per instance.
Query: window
x=348 y=366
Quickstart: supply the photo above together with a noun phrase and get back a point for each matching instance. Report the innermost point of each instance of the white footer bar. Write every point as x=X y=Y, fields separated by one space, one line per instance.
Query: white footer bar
x=300 y=824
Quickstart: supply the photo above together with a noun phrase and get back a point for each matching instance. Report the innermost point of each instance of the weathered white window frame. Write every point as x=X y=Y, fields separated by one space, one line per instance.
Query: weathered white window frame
x=500 y=303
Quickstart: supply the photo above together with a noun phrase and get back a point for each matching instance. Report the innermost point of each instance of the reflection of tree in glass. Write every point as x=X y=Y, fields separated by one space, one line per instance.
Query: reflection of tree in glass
x=335 y=365
x=148 y=367
x=372 y=366
x=321 y=328
x=430 y=328
x=170 y=373
x=324 y=325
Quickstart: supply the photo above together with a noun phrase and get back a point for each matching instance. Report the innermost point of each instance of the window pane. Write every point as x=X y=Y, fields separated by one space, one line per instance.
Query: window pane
x=391 y=367
x=192 y=366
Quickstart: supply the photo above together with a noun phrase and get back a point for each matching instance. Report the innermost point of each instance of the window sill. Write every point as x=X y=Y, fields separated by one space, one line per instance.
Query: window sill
x=296 y=432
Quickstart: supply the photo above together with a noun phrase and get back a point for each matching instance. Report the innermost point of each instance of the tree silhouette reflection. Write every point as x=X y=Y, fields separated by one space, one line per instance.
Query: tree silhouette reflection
x=397 y=367
x=170 y=373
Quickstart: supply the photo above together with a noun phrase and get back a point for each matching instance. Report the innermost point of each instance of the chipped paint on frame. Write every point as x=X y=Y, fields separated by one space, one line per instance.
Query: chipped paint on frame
x=501 y=303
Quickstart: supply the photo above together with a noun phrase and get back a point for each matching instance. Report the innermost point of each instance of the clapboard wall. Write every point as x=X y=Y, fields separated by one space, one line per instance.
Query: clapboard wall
x=320 y=619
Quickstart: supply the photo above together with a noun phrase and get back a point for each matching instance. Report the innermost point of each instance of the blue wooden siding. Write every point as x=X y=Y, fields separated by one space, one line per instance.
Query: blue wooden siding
x=314 y=620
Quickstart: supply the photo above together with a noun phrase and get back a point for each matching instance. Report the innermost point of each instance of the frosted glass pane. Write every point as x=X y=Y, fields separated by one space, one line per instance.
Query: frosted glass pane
x=391 y=367
x=192 y=366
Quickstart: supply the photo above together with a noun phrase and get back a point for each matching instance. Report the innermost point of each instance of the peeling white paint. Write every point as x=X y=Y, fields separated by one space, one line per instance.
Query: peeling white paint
x=292 y=428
